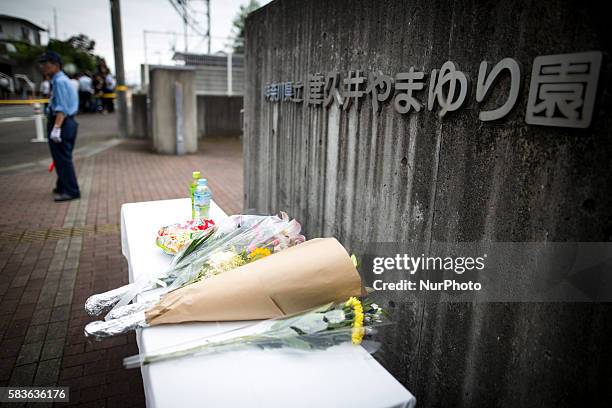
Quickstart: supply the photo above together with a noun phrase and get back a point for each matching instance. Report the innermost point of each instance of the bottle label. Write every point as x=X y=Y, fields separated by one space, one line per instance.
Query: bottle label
x=201 y=199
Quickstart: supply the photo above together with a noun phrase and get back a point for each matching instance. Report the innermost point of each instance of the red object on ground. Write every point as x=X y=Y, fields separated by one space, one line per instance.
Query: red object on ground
x=51 y=166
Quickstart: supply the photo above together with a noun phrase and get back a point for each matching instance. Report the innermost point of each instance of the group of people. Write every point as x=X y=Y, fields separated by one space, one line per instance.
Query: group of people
x=95 y=90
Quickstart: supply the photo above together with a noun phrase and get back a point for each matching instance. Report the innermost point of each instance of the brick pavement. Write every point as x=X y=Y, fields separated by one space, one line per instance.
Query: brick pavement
x=53 y=256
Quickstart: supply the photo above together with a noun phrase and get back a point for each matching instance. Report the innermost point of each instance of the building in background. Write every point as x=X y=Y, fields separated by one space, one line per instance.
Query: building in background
x=219 y=82
x=19 y=29
x=17 y=76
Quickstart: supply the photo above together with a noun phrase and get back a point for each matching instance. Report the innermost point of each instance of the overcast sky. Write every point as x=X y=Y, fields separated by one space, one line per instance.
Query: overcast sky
x=92 y=18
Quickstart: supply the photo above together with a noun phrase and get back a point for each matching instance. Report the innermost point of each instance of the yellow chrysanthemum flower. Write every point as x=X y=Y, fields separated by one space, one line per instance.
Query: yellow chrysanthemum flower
x=358 y=330
x=259 y=253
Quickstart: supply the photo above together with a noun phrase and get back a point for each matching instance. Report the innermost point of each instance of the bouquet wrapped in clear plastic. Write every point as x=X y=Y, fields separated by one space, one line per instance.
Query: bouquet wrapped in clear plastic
x=173 y=238
x=320 y=328
x=290 y=281
x=237 y=240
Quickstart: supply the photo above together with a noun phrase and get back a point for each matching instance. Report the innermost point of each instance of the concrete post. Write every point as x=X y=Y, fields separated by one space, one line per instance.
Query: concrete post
x=119 y=70
x=39 y=123
x=180 y=118
x=173 y=109
x=229 y=74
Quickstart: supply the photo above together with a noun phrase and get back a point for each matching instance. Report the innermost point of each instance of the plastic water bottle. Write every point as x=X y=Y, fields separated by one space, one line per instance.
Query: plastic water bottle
x=201 y=199
x=195 y=176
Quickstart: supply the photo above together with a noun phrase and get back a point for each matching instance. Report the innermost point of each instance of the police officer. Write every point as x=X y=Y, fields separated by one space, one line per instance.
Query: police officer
x=61 y=126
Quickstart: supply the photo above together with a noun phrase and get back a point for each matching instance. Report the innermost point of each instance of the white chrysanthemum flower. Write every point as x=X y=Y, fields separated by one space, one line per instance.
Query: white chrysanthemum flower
x=220 y=258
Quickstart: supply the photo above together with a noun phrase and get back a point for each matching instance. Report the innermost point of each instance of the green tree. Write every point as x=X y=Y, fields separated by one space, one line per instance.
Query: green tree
x=238 y=25
x=82 y=43
x=77 y=50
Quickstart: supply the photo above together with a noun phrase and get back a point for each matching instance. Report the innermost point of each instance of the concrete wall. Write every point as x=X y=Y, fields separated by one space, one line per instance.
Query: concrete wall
x=219 y=116
x=163 y=108
x=364 y=177
x=139 y=115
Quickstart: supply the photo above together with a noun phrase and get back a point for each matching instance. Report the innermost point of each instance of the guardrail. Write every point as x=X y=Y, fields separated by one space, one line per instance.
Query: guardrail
x=38 y=114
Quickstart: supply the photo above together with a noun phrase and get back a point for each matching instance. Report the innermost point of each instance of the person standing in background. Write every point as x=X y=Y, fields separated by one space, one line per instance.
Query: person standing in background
x=61 y=126
x=45 y=87
x=98 y=85
x=74 y=81
x=45 y=90
x=109 y=88
x=85 y=92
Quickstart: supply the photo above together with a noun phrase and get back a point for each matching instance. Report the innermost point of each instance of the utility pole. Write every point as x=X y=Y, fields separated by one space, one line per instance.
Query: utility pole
x=55 y=23
x=208 y=23
x=184 y=4
x=145 y=78
x=120 y=88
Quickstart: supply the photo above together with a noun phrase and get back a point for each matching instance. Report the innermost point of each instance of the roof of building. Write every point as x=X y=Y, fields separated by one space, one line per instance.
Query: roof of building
x=208 y=59
x=6 y=17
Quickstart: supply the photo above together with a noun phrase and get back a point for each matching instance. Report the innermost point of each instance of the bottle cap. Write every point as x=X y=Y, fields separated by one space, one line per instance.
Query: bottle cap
x=202 y=182
x=195 y=174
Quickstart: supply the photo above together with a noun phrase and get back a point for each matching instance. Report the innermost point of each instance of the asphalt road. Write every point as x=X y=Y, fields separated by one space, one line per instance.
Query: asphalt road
x=18 y=152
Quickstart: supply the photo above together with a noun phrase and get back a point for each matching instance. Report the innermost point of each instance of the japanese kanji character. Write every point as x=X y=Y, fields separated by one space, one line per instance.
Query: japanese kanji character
x=331 y=92
x=353 y=88
x=316 y=82
x=297 y=93
x=271 y=92
x=287 y=91
x=563 y=88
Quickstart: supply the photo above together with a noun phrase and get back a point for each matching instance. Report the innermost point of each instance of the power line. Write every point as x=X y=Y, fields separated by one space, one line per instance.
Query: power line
x=181 y=7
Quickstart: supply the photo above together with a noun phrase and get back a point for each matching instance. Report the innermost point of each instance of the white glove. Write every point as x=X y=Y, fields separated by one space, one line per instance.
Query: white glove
x=56 y=134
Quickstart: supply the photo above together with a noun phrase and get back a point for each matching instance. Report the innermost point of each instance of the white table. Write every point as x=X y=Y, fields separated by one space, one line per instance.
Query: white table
x=347 y=376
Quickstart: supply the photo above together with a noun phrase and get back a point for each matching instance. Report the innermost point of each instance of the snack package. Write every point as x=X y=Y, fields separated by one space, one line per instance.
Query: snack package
x=174 y=238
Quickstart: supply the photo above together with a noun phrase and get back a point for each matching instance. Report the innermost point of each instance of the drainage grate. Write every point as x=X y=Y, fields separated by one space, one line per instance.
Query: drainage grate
x=59 y=233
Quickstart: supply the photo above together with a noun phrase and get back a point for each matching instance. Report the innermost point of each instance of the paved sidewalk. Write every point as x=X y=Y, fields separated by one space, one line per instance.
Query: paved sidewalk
x=53 y=256
x=16 y=150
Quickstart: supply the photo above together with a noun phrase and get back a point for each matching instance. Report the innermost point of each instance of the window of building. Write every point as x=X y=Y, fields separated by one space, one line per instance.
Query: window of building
x=25 y=33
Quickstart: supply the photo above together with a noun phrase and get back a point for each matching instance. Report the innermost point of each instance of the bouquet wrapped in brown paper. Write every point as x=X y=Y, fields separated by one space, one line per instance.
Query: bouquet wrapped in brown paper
x=315 y=272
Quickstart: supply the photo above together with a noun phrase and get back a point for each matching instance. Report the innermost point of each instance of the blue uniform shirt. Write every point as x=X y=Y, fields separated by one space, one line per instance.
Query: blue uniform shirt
x=64 y=97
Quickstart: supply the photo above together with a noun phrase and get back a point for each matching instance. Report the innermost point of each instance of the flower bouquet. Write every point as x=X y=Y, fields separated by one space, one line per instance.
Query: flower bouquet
x=211 y=251
x=299 y=278
x=315 y=329
x=173 y=238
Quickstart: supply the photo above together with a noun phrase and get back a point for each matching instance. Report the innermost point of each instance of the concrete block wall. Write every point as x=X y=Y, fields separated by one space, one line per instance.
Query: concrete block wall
x=364 y=176
x=219 y=116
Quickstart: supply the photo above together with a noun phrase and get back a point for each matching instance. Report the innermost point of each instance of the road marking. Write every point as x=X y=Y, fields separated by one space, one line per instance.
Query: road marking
x=20 y=119
x=79 y=153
